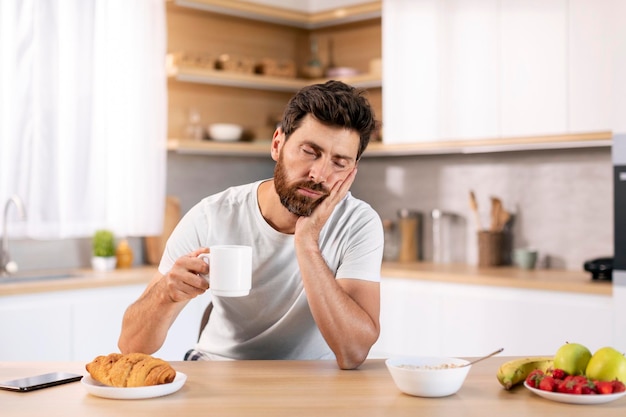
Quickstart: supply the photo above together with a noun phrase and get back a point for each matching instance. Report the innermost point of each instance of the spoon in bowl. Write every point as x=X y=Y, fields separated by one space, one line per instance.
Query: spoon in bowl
x=481 y=358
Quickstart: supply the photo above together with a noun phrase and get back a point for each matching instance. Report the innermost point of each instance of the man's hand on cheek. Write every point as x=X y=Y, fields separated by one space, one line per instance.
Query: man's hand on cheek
x=308 y=228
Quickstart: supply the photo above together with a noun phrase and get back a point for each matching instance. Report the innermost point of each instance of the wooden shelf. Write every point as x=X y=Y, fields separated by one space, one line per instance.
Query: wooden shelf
x=377 y=149
x=208 y=147
x=288 y=17
x=262 y=82
x=492 y=145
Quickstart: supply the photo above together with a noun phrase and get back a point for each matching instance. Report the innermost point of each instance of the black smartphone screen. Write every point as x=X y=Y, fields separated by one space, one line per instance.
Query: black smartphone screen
x=32 y=383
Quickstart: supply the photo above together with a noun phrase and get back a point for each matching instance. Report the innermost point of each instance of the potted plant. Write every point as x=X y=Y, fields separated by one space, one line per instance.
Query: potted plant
x=103 y=244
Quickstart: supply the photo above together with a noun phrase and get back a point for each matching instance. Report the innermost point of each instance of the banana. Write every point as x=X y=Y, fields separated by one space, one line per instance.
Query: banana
x=515 y=371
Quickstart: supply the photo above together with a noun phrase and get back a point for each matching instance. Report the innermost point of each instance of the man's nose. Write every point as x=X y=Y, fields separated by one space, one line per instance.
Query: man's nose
x=320 y=170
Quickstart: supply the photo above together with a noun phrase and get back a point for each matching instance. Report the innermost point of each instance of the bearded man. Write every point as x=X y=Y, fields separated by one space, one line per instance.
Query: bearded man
x=317 y=250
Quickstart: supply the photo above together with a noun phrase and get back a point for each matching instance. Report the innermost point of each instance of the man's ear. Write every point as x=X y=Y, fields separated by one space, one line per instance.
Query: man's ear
x=278 y=140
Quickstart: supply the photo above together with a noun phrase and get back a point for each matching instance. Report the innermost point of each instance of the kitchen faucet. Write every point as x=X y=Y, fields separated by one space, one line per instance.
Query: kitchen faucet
x=6 y=266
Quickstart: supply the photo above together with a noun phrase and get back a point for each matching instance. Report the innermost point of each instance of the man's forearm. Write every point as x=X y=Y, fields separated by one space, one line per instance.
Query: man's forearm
x=147 y=321
x=347 y=327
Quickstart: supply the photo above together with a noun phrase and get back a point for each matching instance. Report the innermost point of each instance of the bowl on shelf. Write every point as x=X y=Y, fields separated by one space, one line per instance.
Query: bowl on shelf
x=428 y=376
x=338 y=72
x=227 y=132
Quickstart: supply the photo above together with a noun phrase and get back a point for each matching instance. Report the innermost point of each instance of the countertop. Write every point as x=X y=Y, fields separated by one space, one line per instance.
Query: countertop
x=504 y=276
x=543 y=279
x=290 y=388
x=81 y=279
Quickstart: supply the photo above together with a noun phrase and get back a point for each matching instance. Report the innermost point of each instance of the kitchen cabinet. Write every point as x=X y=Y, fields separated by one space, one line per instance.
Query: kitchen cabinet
x=211 y=29
x=533 y=67
x=33 y=330
x=618 y=69
x=444 y=87
x=432 y=318
x=302 y=13
x=483 y=69
x=590 y=57
x=82 y=324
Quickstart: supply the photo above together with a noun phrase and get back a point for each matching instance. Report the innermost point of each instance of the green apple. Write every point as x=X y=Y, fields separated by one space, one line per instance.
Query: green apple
x=572 y=358
x=607 y=364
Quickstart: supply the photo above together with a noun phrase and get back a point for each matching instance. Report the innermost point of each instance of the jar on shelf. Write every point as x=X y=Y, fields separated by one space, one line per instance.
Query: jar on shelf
x=124 y=254
x=392 y=245
x=409 y=224
x=193 y=128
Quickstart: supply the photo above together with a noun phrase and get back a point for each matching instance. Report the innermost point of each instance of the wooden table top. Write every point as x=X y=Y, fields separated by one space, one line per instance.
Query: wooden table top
x=289 y=388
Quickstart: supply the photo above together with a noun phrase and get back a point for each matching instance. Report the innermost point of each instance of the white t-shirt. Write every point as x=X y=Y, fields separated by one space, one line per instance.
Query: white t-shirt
x=274 y=321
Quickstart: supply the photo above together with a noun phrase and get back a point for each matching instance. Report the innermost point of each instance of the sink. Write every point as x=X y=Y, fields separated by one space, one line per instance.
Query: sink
x=36 y=277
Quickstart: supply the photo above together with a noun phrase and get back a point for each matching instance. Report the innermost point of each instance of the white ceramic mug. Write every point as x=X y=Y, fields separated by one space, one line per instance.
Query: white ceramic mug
x=230 y=272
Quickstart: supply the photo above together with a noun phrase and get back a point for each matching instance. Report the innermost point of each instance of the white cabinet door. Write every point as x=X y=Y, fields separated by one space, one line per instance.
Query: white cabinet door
x=440 y=70
x=468 y=65
x=590 y=59
x=35 y=328
x=410 y=70
x=82 y=324
x=431 y=318
x=97 y=322
x=97 y=319
x=408 y=318
x=533 y=74
x=476 y=320
x=464 y=69
x=618 y=40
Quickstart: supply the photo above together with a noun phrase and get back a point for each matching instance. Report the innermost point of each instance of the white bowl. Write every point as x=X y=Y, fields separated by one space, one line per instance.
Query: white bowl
x=427 y=376
x=225 y=131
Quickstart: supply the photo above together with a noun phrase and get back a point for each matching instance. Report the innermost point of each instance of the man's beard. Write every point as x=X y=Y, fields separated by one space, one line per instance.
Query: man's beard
x=296 y=203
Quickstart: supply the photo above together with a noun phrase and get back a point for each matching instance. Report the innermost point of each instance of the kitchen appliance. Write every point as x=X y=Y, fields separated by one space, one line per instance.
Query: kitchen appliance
x=601 y=269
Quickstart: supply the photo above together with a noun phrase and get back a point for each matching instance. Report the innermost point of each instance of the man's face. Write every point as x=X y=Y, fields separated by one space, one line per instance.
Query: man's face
x=311 y=162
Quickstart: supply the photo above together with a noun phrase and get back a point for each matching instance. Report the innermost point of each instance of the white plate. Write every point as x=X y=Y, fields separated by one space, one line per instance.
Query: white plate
x=575 y=398
x=133 y=393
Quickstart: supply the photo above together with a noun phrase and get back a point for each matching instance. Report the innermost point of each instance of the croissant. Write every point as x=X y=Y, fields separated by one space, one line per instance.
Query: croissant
x=130 y=370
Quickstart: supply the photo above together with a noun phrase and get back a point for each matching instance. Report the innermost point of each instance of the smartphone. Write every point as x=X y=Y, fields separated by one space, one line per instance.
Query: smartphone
x=32 y=383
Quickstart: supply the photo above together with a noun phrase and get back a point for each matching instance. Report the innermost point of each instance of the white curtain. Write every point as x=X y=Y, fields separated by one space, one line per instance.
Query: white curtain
x=83 y=123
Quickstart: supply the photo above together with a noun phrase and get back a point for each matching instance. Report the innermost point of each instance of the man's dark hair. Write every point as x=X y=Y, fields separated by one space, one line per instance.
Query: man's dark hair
x=335 y=104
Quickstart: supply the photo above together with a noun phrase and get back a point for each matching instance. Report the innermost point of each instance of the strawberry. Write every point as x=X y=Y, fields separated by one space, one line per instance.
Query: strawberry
x=589 y=388
x=577 y=389
x=580 y=379
x=604 y=387
x=547 y=383
x=562 y=387
x=618 y=386
x=534 y=378
x=570 y=385
x=558 y=374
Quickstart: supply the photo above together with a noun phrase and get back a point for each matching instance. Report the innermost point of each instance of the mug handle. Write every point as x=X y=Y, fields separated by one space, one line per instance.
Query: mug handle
x=206 y=257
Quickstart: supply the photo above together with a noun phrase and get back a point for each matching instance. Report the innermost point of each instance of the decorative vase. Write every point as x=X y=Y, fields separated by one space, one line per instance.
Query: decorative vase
x=103 y=263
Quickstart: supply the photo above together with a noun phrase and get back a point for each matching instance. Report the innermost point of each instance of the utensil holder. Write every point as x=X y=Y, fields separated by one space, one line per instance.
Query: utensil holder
x=490 y=248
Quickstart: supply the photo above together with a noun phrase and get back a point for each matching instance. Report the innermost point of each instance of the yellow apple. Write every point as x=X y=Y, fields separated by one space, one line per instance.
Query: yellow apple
x=572 y=358
x=607 y=364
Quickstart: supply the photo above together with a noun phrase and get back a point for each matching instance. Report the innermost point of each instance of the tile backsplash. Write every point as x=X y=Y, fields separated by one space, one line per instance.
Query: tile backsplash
x=561 y=200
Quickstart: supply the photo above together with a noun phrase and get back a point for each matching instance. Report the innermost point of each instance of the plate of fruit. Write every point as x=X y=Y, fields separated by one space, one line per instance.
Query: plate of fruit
x=578 y=377
x=574 y=389
x=573 y=375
